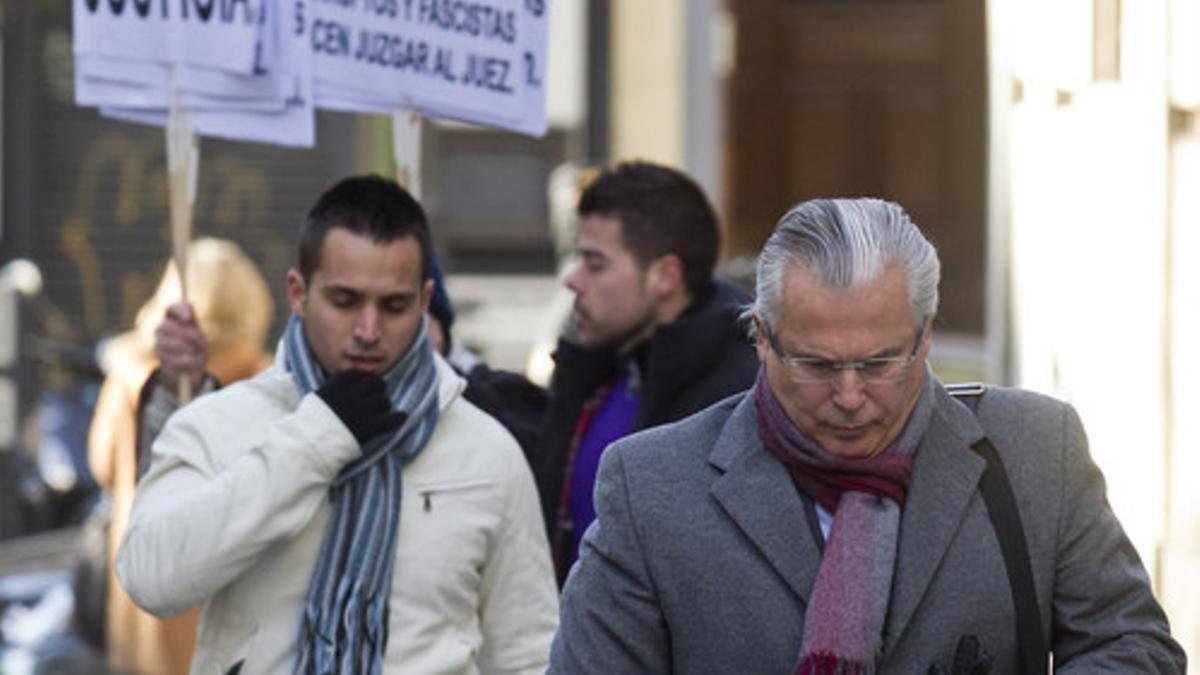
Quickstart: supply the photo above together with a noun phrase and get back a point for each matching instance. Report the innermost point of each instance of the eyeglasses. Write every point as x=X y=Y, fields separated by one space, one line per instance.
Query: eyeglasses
x=812 y=369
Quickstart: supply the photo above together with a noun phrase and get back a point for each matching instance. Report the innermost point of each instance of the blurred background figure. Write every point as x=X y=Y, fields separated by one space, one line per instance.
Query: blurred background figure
x=222 y=329
x=510 y=397
x=655 y=336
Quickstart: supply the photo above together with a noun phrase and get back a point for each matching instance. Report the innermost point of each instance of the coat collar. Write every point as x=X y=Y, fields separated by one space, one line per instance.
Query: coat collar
x=757 y=493
x=945 y=479
x=450 y=383
x=673 y=354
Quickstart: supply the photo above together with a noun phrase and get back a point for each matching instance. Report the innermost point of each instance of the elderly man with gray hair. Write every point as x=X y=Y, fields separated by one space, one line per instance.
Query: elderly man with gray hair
x=850 y=513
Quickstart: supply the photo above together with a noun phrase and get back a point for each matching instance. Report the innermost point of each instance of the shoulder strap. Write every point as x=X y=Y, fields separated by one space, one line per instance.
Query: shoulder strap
x=1006 y=521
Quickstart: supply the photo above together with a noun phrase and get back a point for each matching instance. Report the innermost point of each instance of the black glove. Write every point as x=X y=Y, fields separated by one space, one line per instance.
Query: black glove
x=969 y=659
x=360 y=401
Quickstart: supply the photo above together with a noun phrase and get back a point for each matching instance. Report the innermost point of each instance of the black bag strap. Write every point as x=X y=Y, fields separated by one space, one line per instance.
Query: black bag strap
x=1006 y=521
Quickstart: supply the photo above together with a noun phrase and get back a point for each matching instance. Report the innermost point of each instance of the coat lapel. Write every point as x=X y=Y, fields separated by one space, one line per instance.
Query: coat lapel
x=757 y=493
x=945 y=478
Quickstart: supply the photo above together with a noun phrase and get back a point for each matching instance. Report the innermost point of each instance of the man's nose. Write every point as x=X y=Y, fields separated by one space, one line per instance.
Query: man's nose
x=573 y=280
x=366 y=326
x=849 y=392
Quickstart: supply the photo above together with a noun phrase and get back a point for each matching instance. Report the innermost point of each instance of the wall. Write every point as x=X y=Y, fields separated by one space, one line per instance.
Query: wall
x=1095 y=168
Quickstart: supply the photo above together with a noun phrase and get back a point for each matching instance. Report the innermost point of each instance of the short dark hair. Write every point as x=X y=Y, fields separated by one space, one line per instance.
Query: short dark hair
x=661 y=211
x=371 y=206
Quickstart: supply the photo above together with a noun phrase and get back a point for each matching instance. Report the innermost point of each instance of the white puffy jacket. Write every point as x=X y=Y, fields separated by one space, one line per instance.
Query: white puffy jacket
x=233 y=509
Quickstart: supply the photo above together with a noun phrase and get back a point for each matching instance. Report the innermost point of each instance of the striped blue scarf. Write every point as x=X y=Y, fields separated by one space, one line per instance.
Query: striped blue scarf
x=344 y=627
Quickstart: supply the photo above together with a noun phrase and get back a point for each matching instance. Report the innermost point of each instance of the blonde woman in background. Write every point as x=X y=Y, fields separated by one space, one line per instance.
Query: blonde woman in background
x=221 y=329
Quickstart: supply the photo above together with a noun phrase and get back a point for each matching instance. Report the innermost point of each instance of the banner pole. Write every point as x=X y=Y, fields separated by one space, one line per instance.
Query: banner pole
x=406 y=149
x=183 y=156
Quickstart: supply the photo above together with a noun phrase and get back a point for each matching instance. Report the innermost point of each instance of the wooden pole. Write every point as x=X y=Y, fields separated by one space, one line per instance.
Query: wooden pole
x=406 y=149
x=183 y=157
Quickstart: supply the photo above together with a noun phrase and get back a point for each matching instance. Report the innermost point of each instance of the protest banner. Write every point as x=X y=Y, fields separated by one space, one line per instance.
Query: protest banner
x=257 y=69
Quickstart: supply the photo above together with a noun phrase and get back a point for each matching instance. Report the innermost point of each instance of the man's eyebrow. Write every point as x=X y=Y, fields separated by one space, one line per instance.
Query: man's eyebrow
x=337 y=289
x=331 y=289
x=888 y=353
x=885 y=353
x=398 y=296
x=810 y=356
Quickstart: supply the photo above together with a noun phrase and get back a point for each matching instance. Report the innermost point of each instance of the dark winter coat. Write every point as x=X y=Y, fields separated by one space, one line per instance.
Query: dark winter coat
x=687 y=365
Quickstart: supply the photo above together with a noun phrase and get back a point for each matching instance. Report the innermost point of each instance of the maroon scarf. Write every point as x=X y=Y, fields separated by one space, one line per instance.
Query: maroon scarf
x=843 y=625
x=818 y=474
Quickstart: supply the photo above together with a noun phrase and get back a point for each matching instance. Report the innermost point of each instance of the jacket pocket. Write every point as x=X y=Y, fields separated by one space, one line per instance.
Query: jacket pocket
x=430 y=494
x=446 y=534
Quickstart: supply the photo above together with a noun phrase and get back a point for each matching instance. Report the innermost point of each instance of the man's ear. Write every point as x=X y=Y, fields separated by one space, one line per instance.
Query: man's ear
x=926 y=337
x=761 y=347
x=426 y=294
x=665 y=276
x=296 y=291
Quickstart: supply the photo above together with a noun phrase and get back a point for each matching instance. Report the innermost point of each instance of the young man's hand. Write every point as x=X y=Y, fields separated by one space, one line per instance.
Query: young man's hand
x=360 y=401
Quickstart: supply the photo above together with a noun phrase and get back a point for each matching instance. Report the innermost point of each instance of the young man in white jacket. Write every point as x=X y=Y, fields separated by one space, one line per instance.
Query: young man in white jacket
x=347 y=510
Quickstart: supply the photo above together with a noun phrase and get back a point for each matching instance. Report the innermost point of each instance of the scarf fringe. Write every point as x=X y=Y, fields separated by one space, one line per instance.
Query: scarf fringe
x=824 y=663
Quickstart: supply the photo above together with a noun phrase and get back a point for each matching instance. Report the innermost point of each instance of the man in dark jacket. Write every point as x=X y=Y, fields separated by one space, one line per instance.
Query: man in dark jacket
x=655 y=338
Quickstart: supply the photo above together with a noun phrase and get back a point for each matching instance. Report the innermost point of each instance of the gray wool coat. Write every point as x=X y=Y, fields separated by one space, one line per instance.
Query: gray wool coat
x=701 y=559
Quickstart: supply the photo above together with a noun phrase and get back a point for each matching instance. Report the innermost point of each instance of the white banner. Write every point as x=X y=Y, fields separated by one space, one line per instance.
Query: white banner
x=255 y=69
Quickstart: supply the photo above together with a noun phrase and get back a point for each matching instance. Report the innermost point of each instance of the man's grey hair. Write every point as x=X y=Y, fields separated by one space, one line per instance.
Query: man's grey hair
x=845 y=243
